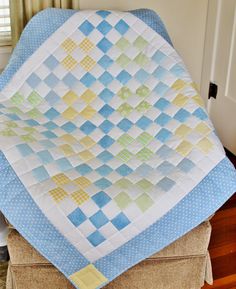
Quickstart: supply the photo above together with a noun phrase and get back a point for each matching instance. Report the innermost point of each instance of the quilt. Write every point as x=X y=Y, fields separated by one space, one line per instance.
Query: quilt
x=107 y=152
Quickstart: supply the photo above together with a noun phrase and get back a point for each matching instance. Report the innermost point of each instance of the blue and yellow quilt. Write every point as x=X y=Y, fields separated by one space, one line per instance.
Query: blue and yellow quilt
x=107 y=152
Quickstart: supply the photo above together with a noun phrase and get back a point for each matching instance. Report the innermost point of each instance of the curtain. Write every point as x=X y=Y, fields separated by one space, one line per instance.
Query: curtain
x=21 y=11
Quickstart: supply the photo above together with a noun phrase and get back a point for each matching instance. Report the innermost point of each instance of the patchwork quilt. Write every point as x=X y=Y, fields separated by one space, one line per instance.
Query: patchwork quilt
x=107 y=152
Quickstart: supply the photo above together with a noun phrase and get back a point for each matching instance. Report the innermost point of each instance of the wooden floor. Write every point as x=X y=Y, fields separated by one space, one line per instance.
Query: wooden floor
x=223 y=244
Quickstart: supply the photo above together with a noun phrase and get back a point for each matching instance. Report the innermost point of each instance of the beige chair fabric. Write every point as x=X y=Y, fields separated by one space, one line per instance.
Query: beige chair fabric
x=23 y=10
x=185 y=264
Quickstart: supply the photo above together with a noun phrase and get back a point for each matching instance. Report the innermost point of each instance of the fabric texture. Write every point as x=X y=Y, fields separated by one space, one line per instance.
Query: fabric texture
x=183 y=263
x=106 y=149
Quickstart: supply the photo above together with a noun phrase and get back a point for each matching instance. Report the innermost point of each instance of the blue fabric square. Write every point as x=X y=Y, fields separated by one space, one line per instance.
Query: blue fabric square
x=158 y=56
x=87 y=127
x=105 y=156
x=162 y=104
x=40 y=174
x=24 y=149
x=13 y=116
x=88 y=79
x=103 y=13
x=182 y=115
x=103 y=183
x=166 y=184
x=99 y=219
x=101 y=199
x=163 y=135
x=105 y=62
x=83 y=169
x=33 y=80
x=106 y=78
x=143 y=122
x=86 y=28
x=166 y=168
x=144 y=170
x=106 y=141
x=96 y=238
x=124 y=170
x=77 y=217
x=186 y=165
x=164 y=152
x=51 y=62
x=104 y=45
x=45 y=157
x=200 y=113
x=163 y=119
x=31 y=122
x=106 y=111
x=52 y=113
x=123 y=77
x=104 y=170
x=106 y=126
x=69 y=127
x=52 y=98
x=125 y=124
x=50 y=125
x=161 y=89
x=64 y=164
x=106 y=95
x=160 y=72
x=122 y=27
x=70 y=80
x=49 y=134
x=51 y=80
x=120 y=221
x=177 y=70
x=47 y=144
x=142 y=75
x=104 y=27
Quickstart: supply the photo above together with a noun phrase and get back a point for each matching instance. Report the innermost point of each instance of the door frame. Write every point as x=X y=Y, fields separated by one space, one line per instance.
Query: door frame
x=210 y=49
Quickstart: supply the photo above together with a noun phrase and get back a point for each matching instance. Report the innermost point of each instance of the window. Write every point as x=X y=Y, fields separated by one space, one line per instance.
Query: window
x=5 y=27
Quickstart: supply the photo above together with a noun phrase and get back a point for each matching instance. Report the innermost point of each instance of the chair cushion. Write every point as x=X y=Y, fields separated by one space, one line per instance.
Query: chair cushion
x=194 y=243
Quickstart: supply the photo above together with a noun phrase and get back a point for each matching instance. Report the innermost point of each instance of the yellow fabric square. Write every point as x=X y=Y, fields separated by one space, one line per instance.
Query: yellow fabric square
x=198 y=100
x=88 y=112
x=86 y=45
x=80 y=197
x=87 y=142
x=58 y=194
x=60 y=179
x=182 y=130
x=67 y=150
x=70 y=113
x=87 y=63
x=69 y=62
x=184 y=148
x=68 y=138
x=180 y=100
x=88 y=278
x=86 y=155
x=88 y=96
x=179 y=84
x=69 y=45
x=202 y=128
x=82 y=182
x=70 y=98
x=205 y=145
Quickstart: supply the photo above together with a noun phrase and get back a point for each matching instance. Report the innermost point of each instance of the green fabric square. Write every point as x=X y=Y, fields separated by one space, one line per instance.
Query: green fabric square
x=144 y=138
x=143 y=91
x=124 y=93
x=28 y=138
x=125 y=140
x=123 y=200
x=144 y=202
x=123 y=183
x=124 y=155
x=35 y=99
x=141 y=59
x=17 y=98
x=144 y=185
x=143 y=106
x=123 y=60
x=140 y=43
x=125 y=109
x=122 y=43
x=144 y=155
x=34 y=113
x=8 y=132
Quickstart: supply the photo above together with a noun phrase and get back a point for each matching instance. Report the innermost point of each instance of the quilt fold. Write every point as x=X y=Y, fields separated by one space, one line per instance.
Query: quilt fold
x=107 y=152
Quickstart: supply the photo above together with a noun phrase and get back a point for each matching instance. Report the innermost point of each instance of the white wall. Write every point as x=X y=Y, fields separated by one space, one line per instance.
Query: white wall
x=185 y=21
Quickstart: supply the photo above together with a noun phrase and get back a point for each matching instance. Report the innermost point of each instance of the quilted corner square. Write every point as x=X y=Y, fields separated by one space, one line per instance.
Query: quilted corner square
x=88 y=278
